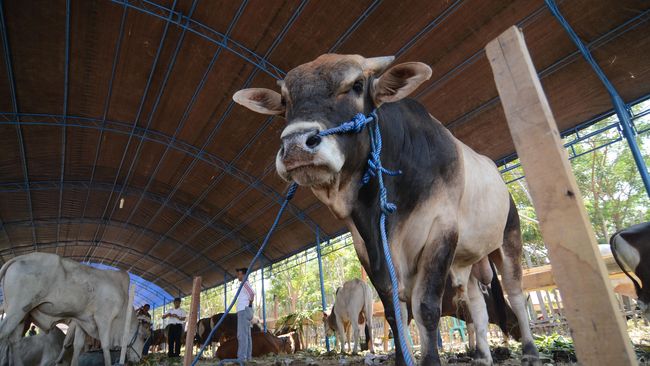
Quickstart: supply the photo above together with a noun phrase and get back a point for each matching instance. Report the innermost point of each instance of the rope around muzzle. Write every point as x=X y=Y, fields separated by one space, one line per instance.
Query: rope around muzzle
x=375 y=169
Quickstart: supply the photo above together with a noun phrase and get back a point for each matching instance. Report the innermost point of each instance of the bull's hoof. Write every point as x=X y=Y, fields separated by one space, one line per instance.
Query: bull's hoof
x=481 y=362
x=529 y=360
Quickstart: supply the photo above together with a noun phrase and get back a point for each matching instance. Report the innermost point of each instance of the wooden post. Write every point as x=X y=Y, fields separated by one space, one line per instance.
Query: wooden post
x=598 y=332
x=386 y=334
x=126 y=337
x=275 y=308
x=191 y=321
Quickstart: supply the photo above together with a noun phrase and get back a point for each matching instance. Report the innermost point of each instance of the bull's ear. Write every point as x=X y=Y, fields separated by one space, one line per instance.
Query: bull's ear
x=399 y=81
x=377 y=65
x=260 y=100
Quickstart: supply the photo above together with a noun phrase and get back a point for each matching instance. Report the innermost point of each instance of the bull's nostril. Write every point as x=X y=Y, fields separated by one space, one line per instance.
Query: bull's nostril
x=313 y=141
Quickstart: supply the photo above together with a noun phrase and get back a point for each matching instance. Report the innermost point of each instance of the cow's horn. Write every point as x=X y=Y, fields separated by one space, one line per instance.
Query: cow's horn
x=376 y=65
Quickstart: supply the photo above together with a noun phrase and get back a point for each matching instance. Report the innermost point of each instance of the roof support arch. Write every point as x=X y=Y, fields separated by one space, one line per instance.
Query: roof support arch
x=187 y=23
x=98 y=221
x=205 y=220
x=38 y=119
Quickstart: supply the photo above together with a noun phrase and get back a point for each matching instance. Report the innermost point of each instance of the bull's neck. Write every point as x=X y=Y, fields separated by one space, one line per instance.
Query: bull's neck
x=423 y=150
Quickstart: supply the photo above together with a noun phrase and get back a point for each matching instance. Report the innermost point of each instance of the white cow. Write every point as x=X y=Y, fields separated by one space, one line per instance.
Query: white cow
x=52 y=289
x=38 y=350
x=352 y=309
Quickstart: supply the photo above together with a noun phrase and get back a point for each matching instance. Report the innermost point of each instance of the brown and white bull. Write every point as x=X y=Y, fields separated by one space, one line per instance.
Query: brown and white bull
x=453 y=208
x=263 y=344
x=631 y=250
x=52 y=289
x=227 y=329
x=352 y=309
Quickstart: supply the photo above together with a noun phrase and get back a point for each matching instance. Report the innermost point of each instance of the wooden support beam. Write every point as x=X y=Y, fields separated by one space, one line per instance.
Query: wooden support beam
x=191 y=321
x=599 y=333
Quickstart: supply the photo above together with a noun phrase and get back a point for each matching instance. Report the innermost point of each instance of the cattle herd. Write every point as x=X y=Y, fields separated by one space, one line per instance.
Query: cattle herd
x=455 y=237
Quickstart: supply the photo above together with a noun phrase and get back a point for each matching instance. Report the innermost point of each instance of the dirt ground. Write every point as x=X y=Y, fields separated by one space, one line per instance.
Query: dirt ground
x=639 y=334
x=314 y=359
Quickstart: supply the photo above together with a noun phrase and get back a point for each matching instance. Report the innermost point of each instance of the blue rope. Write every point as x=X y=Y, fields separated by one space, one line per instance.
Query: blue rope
x=376 y=169
x=290 y=193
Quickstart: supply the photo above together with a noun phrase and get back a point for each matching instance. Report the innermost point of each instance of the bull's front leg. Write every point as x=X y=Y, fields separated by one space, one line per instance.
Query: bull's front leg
x=389 y=312
x=381 y=281
x=105 y=339
x=78 y=345
x=373 y=261
x=433 y=268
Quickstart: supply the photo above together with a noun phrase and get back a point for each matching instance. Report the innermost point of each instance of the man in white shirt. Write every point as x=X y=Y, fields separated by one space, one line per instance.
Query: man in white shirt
x=175 y=322
x=244 y=317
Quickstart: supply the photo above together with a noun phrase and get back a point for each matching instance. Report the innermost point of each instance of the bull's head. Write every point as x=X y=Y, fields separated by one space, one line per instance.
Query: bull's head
x=138 y=334
x=320 y=95
x=329 y=322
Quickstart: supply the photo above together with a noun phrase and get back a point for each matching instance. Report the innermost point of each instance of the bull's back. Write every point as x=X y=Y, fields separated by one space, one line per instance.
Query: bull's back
x=29 y=278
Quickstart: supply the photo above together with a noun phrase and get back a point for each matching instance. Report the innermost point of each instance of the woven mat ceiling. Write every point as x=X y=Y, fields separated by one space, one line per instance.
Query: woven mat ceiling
x=120 y=144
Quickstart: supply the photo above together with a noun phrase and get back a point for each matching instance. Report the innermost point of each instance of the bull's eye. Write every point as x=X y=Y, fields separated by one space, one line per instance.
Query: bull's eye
x=283 y=102
x=358 y=86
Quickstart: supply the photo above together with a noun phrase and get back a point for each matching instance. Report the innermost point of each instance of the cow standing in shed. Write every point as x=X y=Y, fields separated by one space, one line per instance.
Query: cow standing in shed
x=51 y=289
x=631 y=250
x=352 y=309
x=453 y=208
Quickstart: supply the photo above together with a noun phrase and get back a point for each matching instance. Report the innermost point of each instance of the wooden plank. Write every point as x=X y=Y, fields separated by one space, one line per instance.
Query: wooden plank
x=599 y=333
x=191 y=322
x=538 y=278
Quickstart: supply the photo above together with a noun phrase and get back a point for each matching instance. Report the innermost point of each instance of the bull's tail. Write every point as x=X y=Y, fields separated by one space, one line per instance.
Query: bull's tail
x=369 y=314
x=612 y=245
x=368 y=336
x=499 y=301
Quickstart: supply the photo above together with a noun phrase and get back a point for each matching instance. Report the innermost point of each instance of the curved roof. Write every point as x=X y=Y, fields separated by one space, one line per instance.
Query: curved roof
x=121 y=145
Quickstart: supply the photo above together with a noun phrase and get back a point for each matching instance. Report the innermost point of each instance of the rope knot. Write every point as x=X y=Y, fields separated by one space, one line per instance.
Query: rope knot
x=358 y=122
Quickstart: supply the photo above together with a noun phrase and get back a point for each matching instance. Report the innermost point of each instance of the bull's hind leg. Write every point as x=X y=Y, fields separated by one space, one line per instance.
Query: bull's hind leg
x=340 y=334
x=477 y=309
x=510 y=270
x=507 y=261
x=11 y=326
x=355 y=336
x=433 y=268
